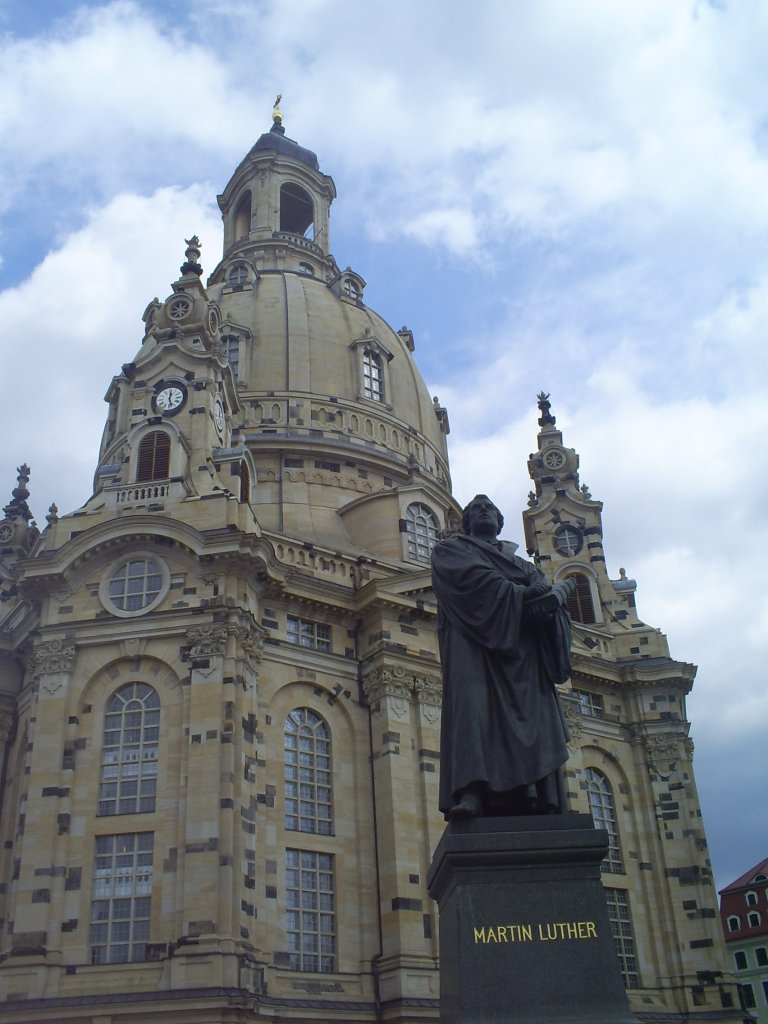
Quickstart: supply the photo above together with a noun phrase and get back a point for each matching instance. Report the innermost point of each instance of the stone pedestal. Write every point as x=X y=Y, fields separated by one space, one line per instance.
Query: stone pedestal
x=524 y=930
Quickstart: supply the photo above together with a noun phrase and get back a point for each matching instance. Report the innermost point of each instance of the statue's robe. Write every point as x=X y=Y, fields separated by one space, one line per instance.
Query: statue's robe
x=501 y=720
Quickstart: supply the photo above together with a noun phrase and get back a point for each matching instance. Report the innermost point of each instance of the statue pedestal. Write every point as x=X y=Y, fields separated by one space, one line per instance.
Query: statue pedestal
x=524 y=930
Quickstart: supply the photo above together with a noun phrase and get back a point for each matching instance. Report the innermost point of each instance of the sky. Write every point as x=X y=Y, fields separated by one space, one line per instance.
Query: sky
x=568 y=195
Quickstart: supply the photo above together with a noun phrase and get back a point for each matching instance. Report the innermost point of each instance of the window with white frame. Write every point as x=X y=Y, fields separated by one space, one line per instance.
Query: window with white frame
x=306 y=633
x=590 y=704
x=733 y=922
x=310 y=911
x=373 y=375
x=307 y=753
x=422 y=527
x=740 y=960
x=129 y=751
x=231 y=345
x=753 y=919
x=135 y=584
x=603 y=810
x=747 y=996
x=761 y=956
x=623 y=935
x=751 y=898
x=351 y=288
x=120 y=905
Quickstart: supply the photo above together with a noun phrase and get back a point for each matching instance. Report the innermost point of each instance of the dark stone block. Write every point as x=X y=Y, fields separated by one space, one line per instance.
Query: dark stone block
x=524 y=929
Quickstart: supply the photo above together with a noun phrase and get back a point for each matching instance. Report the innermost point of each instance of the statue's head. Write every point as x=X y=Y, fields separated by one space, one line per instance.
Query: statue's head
x=480 y=500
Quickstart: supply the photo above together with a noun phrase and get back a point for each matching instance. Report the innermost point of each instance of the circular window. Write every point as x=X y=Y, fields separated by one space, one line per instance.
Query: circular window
x=554 y=459
x=135 y=585
x=6 y=532
x=179 y=308
x=568 y=540
x=237 y=275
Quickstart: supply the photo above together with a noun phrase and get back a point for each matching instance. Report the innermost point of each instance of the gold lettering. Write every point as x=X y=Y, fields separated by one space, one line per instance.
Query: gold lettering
x=591 y=930
x=526 y=932
x=491 y=936
x=479 y=934
x=573 y=931
x=501 y=931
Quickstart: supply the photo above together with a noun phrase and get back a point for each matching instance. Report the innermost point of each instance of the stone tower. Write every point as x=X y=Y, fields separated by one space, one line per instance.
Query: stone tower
x=219 y=681
x=630 y=761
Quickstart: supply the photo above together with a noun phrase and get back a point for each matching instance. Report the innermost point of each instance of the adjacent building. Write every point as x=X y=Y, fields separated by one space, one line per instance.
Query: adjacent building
x=219 y=681
x=744 y=918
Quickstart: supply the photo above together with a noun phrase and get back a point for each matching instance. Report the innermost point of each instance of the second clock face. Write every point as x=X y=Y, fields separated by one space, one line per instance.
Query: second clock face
x=218 y=416
x=170 y=398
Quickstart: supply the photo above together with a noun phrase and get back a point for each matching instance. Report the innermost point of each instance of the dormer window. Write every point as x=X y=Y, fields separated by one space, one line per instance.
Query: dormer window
x=237 y=275
x=372 y=369
x=421 y=527
x=297 y=213
x=305 y=268
x=373 y=377
x=351 y=289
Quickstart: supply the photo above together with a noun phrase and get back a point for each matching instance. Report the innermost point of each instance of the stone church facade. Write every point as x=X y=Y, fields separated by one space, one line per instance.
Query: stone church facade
x=219 y=680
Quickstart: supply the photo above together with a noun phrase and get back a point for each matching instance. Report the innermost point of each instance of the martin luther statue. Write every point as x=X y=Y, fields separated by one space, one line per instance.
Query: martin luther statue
x=505 y=638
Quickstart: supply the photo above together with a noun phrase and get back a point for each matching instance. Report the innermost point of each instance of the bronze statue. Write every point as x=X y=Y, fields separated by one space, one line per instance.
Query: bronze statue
x=505 y=640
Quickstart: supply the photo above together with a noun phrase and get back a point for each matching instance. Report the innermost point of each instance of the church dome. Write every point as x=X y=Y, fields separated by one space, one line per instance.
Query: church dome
x=330 y=394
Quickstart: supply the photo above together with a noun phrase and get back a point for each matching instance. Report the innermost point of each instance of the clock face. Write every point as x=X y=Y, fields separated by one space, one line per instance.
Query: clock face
x=170 y=398
x=218 y=416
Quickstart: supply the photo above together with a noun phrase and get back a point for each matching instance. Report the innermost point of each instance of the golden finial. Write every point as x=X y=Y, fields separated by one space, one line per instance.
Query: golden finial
x=277 y=114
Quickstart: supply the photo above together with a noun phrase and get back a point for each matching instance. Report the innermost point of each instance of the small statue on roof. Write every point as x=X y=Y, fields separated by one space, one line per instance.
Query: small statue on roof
x=546 y=419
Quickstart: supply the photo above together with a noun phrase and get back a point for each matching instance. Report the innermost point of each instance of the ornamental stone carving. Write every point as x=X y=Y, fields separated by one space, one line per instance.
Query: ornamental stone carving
x=52 y=656
x=388 y=685
x=206 y=641
x=574 y=720
x=662 y=748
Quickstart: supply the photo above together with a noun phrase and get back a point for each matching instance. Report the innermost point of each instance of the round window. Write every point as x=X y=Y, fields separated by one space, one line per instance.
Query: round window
x=135 y=585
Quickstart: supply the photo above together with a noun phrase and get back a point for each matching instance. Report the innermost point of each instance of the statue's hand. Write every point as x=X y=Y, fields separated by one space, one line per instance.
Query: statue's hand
x=537 y=589
x=565 y=587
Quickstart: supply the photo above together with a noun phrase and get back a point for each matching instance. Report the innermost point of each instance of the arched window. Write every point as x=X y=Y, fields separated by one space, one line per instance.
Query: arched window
x=245 y=482
x=753 y=919
x=603 y=809
x=154 y=457
x=580 y=604
x=129 y=751
x=761 y=956
x=297 y=213
x=751 y=898
x=373 y=376
x=421 y=527
x=734 y=923
x=307 y=747
x=243 y=217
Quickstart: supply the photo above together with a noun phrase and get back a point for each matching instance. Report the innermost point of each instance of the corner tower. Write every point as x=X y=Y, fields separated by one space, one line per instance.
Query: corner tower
x=631 y=758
